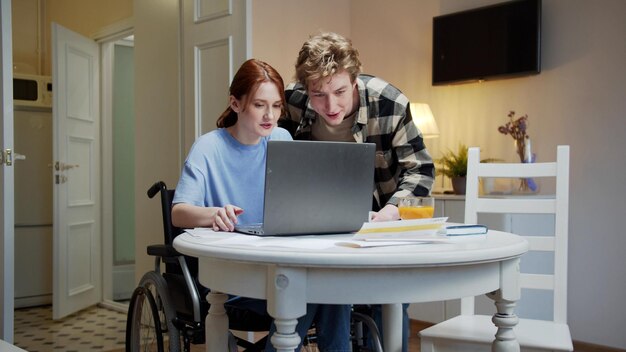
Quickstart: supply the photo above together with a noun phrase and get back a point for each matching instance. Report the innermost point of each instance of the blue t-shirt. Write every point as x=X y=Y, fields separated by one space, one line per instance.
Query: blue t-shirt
x=219 y=171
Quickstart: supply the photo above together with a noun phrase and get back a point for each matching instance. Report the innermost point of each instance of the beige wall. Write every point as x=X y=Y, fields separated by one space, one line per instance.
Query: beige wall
x=578 y=99
x=31 y=26
x=157 y=114
x=85 y=17
x=397 y=48
x=280 y=27
x=26 y=36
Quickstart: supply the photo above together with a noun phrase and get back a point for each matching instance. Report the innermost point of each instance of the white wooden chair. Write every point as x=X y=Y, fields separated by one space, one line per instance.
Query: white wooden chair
x=473 y=332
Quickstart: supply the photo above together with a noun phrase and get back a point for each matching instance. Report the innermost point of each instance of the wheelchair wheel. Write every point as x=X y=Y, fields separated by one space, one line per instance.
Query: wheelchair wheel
x=157 y=286
x=143 y=329
x=359 y=340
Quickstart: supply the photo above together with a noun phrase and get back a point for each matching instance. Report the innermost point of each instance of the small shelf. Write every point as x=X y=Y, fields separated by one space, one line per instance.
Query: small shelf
x=444 y=196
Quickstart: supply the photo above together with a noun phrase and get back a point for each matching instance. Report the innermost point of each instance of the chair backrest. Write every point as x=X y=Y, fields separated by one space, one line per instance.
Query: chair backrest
x=181 y=277
x=169 y=230
x=167 y=195
x=533 y=204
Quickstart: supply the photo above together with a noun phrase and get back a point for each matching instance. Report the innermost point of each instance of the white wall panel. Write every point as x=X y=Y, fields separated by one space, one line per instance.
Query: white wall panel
x=211 y=97
x=207 y=10
x=80 y=248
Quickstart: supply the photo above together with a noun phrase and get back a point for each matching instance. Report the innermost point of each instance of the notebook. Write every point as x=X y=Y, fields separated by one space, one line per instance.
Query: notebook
x=314 y=187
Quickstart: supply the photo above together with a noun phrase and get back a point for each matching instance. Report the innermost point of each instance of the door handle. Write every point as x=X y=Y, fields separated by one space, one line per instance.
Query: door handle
x=68 y=166
x=8 y=155
x=60 y=166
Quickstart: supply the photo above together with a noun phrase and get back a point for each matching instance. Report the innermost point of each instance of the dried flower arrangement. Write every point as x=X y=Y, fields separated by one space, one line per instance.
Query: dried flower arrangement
x=516 y=128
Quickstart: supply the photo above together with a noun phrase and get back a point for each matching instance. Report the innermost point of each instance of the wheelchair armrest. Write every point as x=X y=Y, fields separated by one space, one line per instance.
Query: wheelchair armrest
x=163 y=250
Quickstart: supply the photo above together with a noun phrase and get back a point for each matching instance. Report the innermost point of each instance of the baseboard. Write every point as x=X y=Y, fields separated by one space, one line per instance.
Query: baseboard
x=580 y=346
x=123 y=281
x=33 y=301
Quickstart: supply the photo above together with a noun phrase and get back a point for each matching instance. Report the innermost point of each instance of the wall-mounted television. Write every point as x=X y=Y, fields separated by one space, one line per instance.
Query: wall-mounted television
x=492 y=42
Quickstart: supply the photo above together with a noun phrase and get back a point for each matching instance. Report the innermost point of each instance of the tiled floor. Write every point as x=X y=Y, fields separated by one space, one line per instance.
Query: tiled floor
x=92 y=329
x=102 y=329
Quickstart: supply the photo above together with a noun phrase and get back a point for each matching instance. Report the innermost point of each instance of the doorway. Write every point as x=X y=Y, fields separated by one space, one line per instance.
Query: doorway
x=6 y=324
x=119 y=165
x=117 y=102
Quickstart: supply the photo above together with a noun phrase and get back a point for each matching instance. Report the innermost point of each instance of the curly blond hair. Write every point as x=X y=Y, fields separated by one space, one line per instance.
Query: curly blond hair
x=324 y=55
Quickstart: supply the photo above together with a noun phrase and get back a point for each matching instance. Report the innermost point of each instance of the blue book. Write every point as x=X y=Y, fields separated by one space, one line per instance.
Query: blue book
x=460 y=230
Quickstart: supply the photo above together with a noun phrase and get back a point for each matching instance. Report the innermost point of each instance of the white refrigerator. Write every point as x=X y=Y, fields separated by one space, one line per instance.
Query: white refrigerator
x=33 y=206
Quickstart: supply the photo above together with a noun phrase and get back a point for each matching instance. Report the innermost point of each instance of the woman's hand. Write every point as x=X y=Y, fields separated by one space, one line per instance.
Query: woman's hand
x=225 y=219
x=219 y=219
x=388 y=213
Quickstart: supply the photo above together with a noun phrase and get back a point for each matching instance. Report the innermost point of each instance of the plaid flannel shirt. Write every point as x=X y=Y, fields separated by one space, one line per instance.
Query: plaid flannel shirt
x=403 y=165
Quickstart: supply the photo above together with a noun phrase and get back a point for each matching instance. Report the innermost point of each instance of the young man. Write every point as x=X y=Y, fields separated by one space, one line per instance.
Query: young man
x=333 y=101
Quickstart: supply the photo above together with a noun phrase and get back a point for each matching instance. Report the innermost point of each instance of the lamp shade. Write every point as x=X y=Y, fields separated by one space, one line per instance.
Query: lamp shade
x=424 y=120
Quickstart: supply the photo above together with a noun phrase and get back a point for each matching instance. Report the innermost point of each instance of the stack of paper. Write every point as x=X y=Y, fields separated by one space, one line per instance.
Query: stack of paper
x=402 y=230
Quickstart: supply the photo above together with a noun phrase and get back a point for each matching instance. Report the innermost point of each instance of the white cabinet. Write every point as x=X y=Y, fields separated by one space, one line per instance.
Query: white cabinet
x=453 y=206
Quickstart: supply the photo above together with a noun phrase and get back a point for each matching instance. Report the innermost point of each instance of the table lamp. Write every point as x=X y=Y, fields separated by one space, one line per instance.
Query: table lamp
x=424 y=120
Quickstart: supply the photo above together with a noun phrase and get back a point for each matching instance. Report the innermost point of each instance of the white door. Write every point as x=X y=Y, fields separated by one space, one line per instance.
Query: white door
x=76 y=155
x=214 y=46
x=6 y=175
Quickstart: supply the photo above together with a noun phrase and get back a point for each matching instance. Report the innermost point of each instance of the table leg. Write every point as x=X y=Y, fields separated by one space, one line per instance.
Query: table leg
x=285 y=339
x=285 y=303
x=392 y=327
x=505 y=298
x=505 y=320
x=216 y=323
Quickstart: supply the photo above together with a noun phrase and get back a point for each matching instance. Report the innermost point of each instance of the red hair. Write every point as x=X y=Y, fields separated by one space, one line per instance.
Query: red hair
x=245 y=83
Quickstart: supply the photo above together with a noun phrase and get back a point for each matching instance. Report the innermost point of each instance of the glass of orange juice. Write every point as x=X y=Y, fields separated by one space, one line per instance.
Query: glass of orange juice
x=416 y=207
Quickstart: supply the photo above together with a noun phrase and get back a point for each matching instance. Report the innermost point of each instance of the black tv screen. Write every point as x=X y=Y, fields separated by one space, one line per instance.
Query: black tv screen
x=497 y=41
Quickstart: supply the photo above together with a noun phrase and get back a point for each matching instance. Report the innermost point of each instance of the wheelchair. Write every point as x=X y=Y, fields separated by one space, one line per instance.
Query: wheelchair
x=167 y=310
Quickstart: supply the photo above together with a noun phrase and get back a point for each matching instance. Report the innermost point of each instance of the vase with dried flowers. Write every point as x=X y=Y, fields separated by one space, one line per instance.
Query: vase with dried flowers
x=516 y=128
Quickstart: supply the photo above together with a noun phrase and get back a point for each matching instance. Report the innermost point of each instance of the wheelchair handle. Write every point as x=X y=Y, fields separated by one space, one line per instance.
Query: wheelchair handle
x=156 y=188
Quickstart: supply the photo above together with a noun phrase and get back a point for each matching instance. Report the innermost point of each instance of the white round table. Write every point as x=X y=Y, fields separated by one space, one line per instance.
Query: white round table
x=290 y=272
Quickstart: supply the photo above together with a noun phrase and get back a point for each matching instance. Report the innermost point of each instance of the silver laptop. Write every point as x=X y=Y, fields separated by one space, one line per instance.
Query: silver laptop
x=315 y=187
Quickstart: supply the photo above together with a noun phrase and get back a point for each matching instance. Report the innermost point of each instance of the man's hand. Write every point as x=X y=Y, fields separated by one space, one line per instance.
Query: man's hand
x=388 y=213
